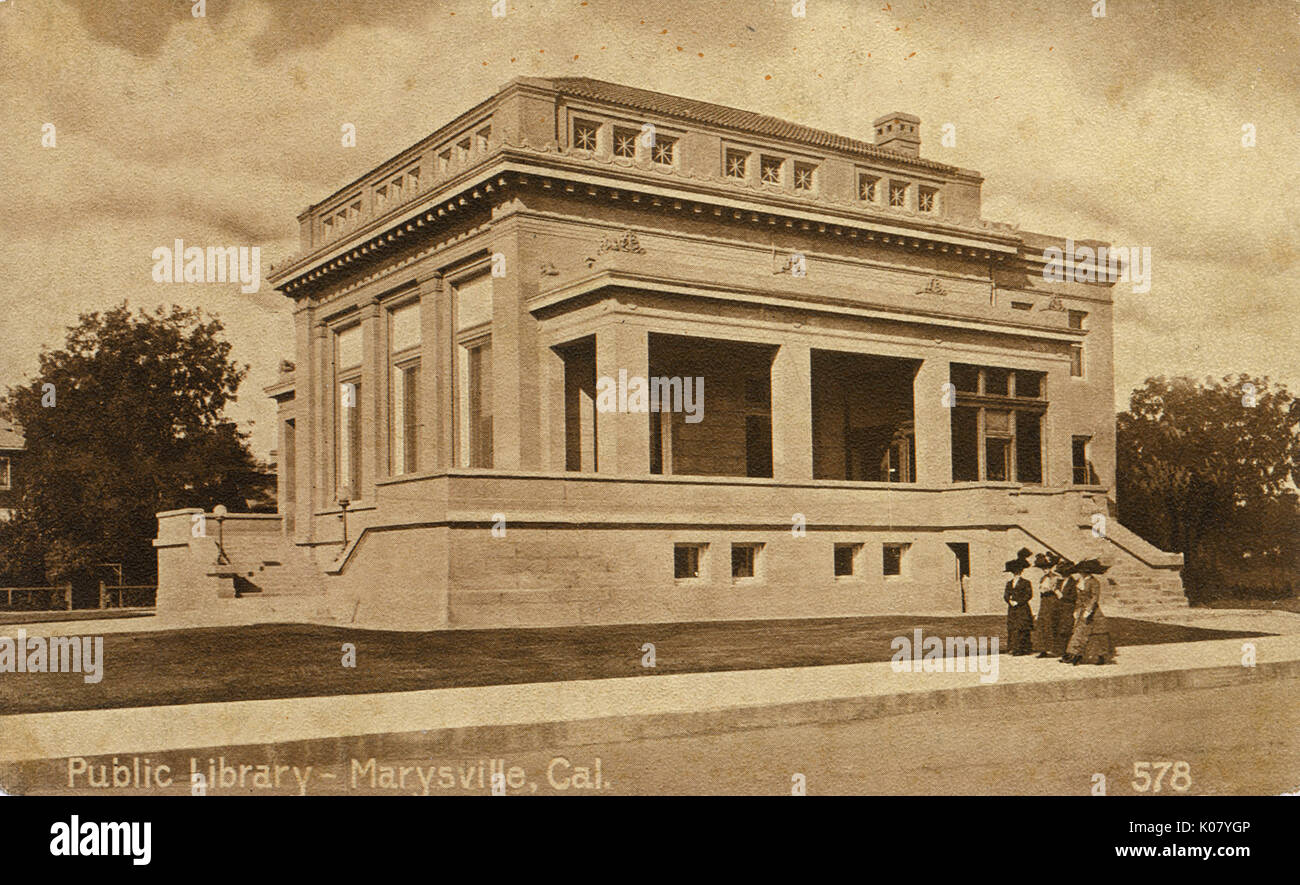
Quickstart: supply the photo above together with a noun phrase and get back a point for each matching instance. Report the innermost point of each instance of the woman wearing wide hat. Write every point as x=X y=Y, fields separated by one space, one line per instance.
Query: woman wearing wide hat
x=1020 y=621
x=1090 y=643
x=1067 y=596
x=1047 y=635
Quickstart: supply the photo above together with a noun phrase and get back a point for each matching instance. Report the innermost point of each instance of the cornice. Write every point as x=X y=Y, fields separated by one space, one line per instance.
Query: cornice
x=512 y=165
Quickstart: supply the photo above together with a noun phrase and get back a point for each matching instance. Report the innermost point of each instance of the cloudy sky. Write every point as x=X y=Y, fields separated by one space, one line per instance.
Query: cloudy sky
x=219 y=130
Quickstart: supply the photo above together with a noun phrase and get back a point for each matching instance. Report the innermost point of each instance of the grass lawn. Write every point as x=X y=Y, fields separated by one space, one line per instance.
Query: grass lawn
x=1286 y=604
x=303 y=660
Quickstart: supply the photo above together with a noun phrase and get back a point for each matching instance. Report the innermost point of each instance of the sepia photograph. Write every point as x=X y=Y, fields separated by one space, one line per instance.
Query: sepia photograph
x=649 y=398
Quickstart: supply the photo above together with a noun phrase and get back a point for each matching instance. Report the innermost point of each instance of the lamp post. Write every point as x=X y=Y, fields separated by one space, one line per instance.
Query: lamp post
x=219 y=513
x=345 y=498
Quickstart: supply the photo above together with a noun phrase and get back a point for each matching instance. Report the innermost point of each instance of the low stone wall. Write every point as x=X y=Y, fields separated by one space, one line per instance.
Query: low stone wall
x=490 y=549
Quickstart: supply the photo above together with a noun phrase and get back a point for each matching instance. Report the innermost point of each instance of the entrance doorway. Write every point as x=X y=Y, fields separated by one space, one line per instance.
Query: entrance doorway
x=961 y=555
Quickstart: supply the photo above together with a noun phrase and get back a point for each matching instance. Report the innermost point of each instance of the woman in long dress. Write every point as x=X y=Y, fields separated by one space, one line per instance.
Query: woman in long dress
x=1020 y=620
x=1047 y=624
x=1068 y=596
x=1090 y=642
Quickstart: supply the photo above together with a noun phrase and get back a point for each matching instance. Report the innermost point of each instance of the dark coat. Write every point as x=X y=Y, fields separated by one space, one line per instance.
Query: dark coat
x=1019 y=617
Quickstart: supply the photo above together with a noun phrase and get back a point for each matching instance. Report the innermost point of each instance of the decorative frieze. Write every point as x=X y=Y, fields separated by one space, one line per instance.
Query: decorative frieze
x=933 y=287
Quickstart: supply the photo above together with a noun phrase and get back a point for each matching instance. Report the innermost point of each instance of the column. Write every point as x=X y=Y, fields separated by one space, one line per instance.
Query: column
x=552 y=408
x=324 y=382
x=515 y=352
x=306 y=394
x=932 y=413
x=622 y=438
x=374 y=398
x=1060 y=424
x=435 y=375
x=792 y=459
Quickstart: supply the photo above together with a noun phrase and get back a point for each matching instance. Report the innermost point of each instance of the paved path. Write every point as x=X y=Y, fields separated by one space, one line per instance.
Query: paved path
x=628 y=707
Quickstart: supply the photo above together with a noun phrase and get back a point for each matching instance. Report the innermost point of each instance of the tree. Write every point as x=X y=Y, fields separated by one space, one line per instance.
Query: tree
x=126 y=420
x=1208 y=470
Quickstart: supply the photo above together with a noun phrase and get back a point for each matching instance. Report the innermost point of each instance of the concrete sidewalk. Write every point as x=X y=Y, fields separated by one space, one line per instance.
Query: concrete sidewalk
x=588 y=711
x=1248 y=620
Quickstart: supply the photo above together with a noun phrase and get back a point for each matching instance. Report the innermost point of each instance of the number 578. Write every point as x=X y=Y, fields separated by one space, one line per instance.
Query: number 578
x=1144 y=783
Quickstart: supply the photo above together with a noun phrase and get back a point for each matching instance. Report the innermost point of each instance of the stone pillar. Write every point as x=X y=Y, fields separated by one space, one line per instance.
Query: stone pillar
x=586 y=410
x=306 y=394
x=932 y=414
x=552 y=394
x=374 y=396
x=435 y=377
x=324 y=381
x=516 y=366
x=622 y=438
x=1059 y=426
x=792 y=459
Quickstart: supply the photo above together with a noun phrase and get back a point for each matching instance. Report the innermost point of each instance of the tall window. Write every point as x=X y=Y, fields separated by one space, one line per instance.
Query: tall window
x=404 y=389
x=6 y=481
x=474 y=372
x=1076 y=360
x=347 y=412
x=997 y=424
x=289 y=471
x=1080 y=456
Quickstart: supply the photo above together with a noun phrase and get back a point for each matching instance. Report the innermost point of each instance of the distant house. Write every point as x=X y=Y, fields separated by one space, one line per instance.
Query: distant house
x=12 y=448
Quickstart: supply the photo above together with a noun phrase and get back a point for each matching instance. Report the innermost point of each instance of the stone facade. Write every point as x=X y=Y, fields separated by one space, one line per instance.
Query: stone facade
x=867 y=388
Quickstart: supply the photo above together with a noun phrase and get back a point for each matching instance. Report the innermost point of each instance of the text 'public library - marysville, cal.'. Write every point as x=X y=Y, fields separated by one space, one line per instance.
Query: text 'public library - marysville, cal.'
x=894 y=396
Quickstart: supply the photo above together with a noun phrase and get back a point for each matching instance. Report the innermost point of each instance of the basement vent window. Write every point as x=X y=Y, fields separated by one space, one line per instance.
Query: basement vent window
x=686 y=560
x=894 y=555
x=744 y=561
x=846 y=556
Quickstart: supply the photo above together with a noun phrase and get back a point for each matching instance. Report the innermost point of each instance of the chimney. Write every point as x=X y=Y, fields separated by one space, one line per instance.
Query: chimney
x=899 y=132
